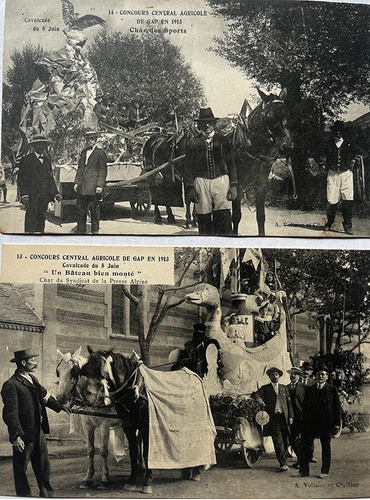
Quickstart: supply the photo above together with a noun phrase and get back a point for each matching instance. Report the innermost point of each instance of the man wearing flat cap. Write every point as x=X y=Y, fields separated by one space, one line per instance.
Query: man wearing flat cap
x=210 y=176
x=296 y=392
x=276 y=399
x=321 y=418
x=340 y=160
x=90 y=182
x=25 y=401
x=36 y=184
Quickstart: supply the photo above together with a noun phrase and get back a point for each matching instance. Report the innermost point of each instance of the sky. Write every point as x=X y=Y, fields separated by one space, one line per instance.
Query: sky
x=225 y=87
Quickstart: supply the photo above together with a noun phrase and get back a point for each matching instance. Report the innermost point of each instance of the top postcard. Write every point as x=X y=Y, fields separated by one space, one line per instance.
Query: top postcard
x=191 y=117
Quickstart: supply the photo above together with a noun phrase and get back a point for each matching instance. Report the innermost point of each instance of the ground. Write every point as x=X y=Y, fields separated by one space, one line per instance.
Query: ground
x=119 y=220
x=228 y=479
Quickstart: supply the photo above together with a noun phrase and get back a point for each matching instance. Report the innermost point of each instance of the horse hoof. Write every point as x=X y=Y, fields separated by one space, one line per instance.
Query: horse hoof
x=194 y=224
x=104 y=485
x=158 y=221
x=171 y=220
x=148 y=490
x=85 y=485
x=129 y=487
x=196 y=477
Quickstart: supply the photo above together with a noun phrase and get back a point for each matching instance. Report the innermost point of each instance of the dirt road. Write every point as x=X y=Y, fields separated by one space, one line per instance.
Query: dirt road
x=228 y=479
x=279 y=222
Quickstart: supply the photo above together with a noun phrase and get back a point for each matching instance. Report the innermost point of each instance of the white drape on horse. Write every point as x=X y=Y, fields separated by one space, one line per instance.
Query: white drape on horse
x=182 y=430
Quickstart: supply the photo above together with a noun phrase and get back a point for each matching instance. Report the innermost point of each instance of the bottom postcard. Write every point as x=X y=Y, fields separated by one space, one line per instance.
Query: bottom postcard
x=196 y=372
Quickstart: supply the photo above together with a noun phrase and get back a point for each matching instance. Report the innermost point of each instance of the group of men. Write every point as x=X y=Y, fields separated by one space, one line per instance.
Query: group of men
x=299 y=412
x=210 y=179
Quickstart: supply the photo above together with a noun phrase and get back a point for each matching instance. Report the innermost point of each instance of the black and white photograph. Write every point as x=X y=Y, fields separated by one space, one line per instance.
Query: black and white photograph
x=110 y=110
x=246 y=378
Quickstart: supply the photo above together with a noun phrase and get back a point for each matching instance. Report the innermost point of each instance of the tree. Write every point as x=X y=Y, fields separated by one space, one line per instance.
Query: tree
x=321 y=45
x=20 y=78
x=189 y=264
x=333 y=285
x=149 y=65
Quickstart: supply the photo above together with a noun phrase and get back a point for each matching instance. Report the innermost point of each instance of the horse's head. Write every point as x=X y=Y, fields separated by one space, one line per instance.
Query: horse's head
x=68 y=372
x=268 y=125
x=204 y=295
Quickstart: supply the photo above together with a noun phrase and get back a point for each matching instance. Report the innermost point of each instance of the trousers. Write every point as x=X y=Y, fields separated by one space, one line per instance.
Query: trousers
x=37 y=453
x=34 y=221
x=84 y=203
x=279 y=434
x=308 y=437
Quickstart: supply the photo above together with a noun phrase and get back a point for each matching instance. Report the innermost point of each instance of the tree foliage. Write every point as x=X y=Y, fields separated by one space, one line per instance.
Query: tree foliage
x=329 y=283
x=149 y=65
x=19 y=79
x=325 y=45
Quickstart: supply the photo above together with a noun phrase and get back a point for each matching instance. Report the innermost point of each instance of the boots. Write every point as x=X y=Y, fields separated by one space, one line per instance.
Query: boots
x=222 y=223
x=331 y=210
x=347 y=216
x=205 y=224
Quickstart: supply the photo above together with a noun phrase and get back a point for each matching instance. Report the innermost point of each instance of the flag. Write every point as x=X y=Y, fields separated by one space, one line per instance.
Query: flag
x=230 y=268
x=253 y=254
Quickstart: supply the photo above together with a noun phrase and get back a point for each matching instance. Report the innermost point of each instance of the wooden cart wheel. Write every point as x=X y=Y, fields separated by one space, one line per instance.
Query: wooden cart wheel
x=251 y=457
x=223 y=442
x=143 y=202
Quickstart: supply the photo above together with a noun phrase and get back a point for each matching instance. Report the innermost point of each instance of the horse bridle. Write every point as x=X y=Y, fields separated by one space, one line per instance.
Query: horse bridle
x=263 y=115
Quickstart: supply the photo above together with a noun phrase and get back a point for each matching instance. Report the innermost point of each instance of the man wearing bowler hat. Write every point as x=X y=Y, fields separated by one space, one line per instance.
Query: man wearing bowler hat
x=276 y=399
x=321 y=418
x=210 y=176
x=340 y=160
x=89 y=182
x=36 y=184
x=296 y=392
x=25 y=401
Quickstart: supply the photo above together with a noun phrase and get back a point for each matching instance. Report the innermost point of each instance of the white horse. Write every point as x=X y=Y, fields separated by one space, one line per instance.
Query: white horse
x=70 y=387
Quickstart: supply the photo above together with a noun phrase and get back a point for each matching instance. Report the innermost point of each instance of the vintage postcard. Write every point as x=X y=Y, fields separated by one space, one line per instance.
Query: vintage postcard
x=184 y=118
x=229 y=361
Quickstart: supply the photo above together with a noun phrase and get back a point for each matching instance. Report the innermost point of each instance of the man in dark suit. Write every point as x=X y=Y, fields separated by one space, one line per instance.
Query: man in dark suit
x=89 y=182
x=24 y=413
x=276 y=399
x=210 y=176
x=36 y=185
x=321 y=418
x=296 y=392
x=306 y=377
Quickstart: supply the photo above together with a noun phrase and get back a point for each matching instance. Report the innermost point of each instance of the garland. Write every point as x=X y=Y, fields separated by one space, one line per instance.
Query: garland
x=227 y=409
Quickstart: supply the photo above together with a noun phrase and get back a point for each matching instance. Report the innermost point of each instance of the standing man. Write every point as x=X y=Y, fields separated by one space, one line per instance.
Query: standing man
x=306 y=372
x=36 y=185
x=321 y=418
x=89 y=182
x=340 y=160
x=210 y=177
x=3 y=187
x=296 y=392
x=276 y=398
x=24 y=413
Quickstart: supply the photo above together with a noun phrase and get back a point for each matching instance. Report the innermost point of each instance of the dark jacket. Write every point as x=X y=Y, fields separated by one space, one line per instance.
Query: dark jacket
x=321 y=408
x=310 y=381
x=197 y=163
x=24 y=409
x=93 y=174
x=35 y=179
x=339 y=159
x=267 y=394
x=296 y=394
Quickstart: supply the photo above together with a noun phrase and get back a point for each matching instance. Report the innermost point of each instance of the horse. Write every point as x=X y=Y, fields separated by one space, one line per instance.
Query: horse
x=160 y=149
x=70 y=388
x=121 y=381
x=269 y=136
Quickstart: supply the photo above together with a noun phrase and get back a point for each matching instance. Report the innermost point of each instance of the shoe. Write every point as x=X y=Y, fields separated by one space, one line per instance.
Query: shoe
x=323 y=475
x=295 y=465
x=348 y=229
x=284 y=468
x=313 y=460
x=300 y=474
